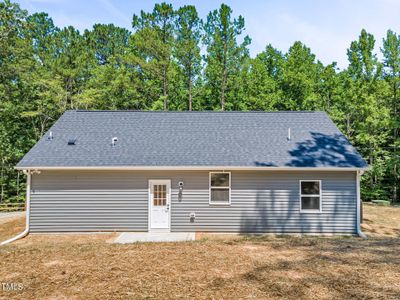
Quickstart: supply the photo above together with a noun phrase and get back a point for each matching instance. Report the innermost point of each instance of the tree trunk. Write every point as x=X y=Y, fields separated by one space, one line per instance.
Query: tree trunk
x=190 y=86
x=394 y=141
x=224 y=78
x=165 y=86
x=68 y=88
x=2 y=181
x=371 y=159
x=223 y=87
x=348 y=125
x=165 y=66
x=18 y=173
x=190 y=94
x=328 y=103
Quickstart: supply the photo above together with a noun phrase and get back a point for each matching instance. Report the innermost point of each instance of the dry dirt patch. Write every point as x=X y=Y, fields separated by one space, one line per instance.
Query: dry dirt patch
x=304 y=268
x=381 y=220
x=11 y=227
x=87 y=267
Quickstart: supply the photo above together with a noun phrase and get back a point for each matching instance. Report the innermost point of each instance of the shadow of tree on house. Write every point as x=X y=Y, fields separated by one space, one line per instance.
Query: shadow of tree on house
x=270 y=213
x=325 y=151
x=264 y=164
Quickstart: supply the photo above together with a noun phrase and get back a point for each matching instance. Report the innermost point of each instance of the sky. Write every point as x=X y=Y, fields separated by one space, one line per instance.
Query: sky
x=326 y=26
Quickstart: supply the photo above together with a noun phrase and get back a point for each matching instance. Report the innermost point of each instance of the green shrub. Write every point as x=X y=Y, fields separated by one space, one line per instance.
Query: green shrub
x=381 y=202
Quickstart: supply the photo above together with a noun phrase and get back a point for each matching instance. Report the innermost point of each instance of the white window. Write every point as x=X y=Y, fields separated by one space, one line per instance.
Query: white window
x=310 y=196
x=220 y=188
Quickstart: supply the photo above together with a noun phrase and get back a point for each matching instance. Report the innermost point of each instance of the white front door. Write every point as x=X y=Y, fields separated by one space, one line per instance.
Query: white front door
x=160 y=201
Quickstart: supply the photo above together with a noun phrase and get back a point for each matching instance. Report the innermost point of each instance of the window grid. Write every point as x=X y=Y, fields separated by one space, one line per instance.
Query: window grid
x=159 y=195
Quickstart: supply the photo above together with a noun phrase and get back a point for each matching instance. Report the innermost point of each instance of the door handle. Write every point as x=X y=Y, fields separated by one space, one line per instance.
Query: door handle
x=167 y=206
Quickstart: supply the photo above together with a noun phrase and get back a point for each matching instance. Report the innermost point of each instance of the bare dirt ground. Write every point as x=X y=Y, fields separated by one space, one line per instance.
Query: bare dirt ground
x=381 y=220
x=10 y=227
x=89 y=267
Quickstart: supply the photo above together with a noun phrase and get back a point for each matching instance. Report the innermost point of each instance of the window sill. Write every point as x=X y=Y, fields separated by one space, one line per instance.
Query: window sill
x=219 y=204
x=310 y=211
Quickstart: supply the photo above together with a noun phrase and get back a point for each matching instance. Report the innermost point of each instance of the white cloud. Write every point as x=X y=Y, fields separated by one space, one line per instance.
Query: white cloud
x=120 y=15
x=326 y=44
x=326 y=27
x=79 y=21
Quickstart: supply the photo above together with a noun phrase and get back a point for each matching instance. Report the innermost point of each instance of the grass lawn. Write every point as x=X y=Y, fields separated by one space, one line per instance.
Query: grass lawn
x=89 y=267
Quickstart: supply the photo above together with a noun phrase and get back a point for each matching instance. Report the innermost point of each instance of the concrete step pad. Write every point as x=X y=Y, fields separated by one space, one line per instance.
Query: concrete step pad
x=135 y=237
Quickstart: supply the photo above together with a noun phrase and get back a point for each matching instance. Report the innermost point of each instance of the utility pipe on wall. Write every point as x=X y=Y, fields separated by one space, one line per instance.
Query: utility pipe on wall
x=359 y=231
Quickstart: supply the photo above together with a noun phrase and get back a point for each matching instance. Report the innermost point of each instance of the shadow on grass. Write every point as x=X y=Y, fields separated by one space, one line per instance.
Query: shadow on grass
x=331 y=267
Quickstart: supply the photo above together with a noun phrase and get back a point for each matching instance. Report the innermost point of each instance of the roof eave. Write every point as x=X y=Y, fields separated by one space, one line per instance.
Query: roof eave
x=188 y=168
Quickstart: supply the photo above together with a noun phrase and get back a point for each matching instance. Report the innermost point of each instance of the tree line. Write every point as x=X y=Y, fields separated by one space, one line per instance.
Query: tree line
x=171 y=59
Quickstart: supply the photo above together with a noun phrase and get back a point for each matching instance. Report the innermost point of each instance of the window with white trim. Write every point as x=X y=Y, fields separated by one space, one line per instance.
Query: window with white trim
x=220 y=188
x=310 y=195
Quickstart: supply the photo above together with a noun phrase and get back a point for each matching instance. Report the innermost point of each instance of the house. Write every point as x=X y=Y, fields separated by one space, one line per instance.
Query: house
x=253 y=172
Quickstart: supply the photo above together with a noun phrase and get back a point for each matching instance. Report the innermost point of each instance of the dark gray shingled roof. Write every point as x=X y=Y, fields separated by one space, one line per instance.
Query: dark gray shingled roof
x=236 y=139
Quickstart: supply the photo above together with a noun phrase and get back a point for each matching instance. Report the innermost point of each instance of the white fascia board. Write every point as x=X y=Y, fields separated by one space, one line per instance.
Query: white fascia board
x=189 y=168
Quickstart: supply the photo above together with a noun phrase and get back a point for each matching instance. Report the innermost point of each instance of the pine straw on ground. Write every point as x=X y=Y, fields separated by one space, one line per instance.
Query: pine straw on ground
x=255 y=268
x=89 y=267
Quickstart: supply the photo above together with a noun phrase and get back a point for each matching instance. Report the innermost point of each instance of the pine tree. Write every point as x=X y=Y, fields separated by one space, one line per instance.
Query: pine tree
x=299 y=79
x=391 y=63
x=153 y=42
x=224 y=55
x=365 y=93
x=187 y=49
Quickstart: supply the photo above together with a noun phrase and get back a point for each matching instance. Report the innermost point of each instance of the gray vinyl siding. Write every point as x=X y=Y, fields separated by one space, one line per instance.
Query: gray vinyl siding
x=269 y=202
x=88 y=201
x=261 y=201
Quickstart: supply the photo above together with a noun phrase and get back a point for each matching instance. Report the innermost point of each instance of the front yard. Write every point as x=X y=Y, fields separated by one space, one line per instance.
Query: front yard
x=88 y=266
